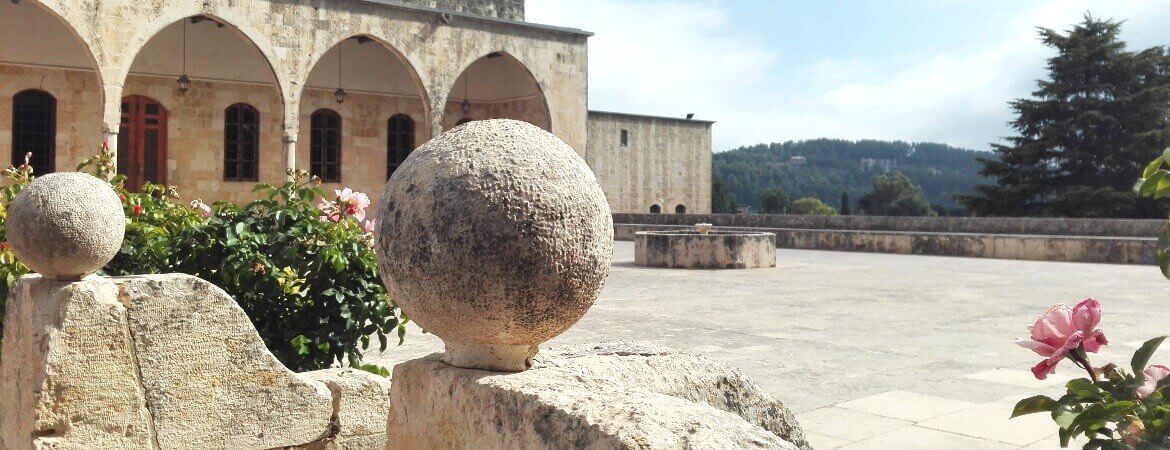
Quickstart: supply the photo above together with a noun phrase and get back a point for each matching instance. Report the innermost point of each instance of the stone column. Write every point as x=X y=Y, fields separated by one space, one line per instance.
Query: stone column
x=290 y=154
x=111 y=140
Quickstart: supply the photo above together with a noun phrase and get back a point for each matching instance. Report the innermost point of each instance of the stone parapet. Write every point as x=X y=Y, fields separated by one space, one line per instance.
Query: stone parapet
x=158 y=361
x=978 y=225
x=1096 y=249
x=607 y=396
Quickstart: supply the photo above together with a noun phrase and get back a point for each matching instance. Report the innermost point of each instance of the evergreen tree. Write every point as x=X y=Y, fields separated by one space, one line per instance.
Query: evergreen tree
x=1085 y=134
x=895 y=195
x=811 y=206
x=721 y=200
x=846 y=209
x=774 y=201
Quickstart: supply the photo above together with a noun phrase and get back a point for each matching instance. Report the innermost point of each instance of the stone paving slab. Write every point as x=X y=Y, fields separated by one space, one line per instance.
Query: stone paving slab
x=826 y=330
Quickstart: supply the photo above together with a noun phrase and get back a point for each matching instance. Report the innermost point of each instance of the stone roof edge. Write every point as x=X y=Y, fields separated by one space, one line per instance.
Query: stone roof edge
x=648 y=116
x=553 y=28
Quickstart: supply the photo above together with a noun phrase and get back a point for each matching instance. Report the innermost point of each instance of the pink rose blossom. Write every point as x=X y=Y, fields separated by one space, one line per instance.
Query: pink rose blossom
x=353 y=202
x=1153 y=375
x=369 y=227
x=203 y=209
x=1061 y=330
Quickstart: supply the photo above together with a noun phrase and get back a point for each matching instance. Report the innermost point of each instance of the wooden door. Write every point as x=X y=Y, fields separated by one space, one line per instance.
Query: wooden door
x=142 y=142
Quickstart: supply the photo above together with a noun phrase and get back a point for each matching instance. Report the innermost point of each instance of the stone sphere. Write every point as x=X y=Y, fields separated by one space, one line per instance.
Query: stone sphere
x=496 y=237
x=66 y=225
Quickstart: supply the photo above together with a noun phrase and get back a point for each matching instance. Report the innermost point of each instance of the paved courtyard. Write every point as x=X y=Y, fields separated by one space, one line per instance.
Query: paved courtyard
x=875 y=350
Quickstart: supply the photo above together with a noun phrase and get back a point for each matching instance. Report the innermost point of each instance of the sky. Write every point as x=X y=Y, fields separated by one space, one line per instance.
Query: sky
x=778 y=70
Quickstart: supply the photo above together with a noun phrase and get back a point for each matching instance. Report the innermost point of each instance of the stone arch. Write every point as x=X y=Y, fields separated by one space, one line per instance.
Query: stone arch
x=170 y=16
x=315 y=60
x=42 y=49
x=531 y=106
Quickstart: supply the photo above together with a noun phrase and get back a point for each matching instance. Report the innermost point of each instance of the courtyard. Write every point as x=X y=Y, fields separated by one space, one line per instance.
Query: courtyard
x=873 y=350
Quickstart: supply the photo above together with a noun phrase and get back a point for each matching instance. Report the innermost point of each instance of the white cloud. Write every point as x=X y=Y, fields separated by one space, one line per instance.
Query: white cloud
x=671 y=58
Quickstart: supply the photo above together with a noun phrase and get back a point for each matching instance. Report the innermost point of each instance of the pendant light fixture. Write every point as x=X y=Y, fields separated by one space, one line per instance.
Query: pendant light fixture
x=465 y=106
x=184 y=82
x=339 y=94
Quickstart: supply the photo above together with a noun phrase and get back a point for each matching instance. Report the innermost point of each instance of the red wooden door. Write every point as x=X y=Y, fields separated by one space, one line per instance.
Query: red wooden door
x=142 y=142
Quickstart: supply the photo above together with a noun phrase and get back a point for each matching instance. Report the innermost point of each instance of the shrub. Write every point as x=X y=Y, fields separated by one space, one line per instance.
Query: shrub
x=305 y=274
x=895 y=195
x=811 y=206
x=774 y=201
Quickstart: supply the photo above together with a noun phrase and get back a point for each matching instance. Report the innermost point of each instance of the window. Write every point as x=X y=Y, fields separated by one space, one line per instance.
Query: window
x=34 y=130
x=241 y=137
x=399 y=142
x=625 y=138
x=655 y=209
x=325 y=146
x=680 y=209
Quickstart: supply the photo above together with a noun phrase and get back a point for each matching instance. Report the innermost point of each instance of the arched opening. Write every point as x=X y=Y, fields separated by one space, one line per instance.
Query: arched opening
x=376 y=94
x=680 y=209
x=51 y=94
x=655 y=209
x=197 y=69
x=496 y=86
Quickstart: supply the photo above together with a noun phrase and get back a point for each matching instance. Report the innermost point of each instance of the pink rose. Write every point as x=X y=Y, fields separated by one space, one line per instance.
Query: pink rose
x=1061 y=330
x=203 y=209
x=369 y=227
x=1153 y=375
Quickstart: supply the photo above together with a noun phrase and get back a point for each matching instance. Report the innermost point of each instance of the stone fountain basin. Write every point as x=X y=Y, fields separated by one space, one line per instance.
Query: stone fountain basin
x=714 y=250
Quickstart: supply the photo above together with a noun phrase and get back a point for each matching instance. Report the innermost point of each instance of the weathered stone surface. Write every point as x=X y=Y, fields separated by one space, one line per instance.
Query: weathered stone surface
x=68 y=378
x=495 y=237
x=361 y=405
x=611 y=396
x=210 y=382
x=66 y=225
x=715 y=250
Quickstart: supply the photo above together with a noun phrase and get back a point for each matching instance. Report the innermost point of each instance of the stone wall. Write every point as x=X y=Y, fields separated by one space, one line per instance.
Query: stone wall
x=79 y=109
x=1036 y=247
x=667 y=162
x=364 y=118
x=987 y=225
x=292 y=37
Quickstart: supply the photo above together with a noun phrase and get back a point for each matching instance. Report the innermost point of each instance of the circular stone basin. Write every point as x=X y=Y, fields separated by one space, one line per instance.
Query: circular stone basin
x=714 y=250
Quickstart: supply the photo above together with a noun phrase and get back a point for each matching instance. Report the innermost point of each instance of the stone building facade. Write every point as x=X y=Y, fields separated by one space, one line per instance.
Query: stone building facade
x=649 y=164
x=213 y=96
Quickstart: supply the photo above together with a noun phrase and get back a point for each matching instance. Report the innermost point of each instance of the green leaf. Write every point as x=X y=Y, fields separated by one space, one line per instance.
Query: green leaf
x=1032 y=405
x=1064 y=416
x=1141 y=358
x=1154 y=165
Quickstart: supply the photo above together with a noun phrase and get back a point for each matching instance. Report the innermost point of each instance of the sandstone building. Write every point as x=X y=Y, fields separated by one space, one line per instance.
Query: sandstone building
x=213 y=96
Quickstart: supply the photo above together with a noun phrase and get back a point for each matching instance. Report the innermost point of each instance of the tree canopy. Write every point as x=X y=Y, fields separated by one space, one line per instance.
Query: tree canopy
x=895 y=195
x=1086 y=132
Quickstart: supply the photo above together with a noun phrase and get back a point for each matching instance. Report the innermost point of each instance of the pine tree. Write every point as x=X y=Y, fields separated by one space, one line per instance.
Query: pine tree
x=1085 y=134
x=774 y=201
x=895 y=195
x=846 y=209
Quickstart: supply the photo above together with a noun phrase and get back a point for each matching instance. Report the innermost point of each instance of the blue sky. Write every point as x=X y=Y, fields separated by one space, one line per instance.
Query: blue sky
x=771 y=71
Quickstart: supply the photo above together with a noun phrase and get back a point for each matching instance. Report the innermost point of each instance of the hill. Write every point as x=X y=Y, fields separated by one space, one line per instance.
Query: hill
x=823 y=168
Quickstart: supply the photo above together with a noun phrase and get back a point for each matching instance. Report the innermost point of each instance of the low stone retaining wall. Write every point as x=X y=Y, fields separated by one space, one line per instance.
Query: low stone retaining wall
x=1097 y=249
x=976 y=225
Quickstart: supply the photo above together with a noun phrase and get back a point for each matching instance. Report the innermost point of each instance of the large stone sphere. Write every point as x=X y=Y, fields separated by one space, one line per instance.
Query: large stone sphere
x=66 y=225
x=496 y=237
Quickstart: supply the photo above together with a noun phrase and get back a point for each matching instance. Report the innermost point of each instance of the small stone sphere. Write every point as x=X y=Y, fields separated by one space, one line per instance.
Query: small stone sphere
x=66 y=225
x=496 y=237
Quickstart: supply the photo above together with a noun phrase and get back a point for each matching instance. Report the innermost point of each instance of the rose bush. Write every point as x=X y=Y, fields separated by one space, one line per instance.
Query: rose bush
x=1113 y=408
x=299 y=264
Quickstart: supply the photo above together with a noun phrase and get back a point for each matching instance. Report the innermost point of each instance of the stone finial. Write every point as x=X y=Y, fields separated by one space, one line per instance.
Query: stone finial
x=496 y=237
x=66 y=225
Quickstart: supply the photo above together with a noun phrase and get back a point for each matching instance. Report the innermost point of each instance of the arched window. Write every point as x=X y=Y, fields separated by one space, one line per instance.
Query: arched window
x=325 y=146
x=399 y=142
x=241 y=137
x=680 y=209
x=34 y=130
x=655 y=209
